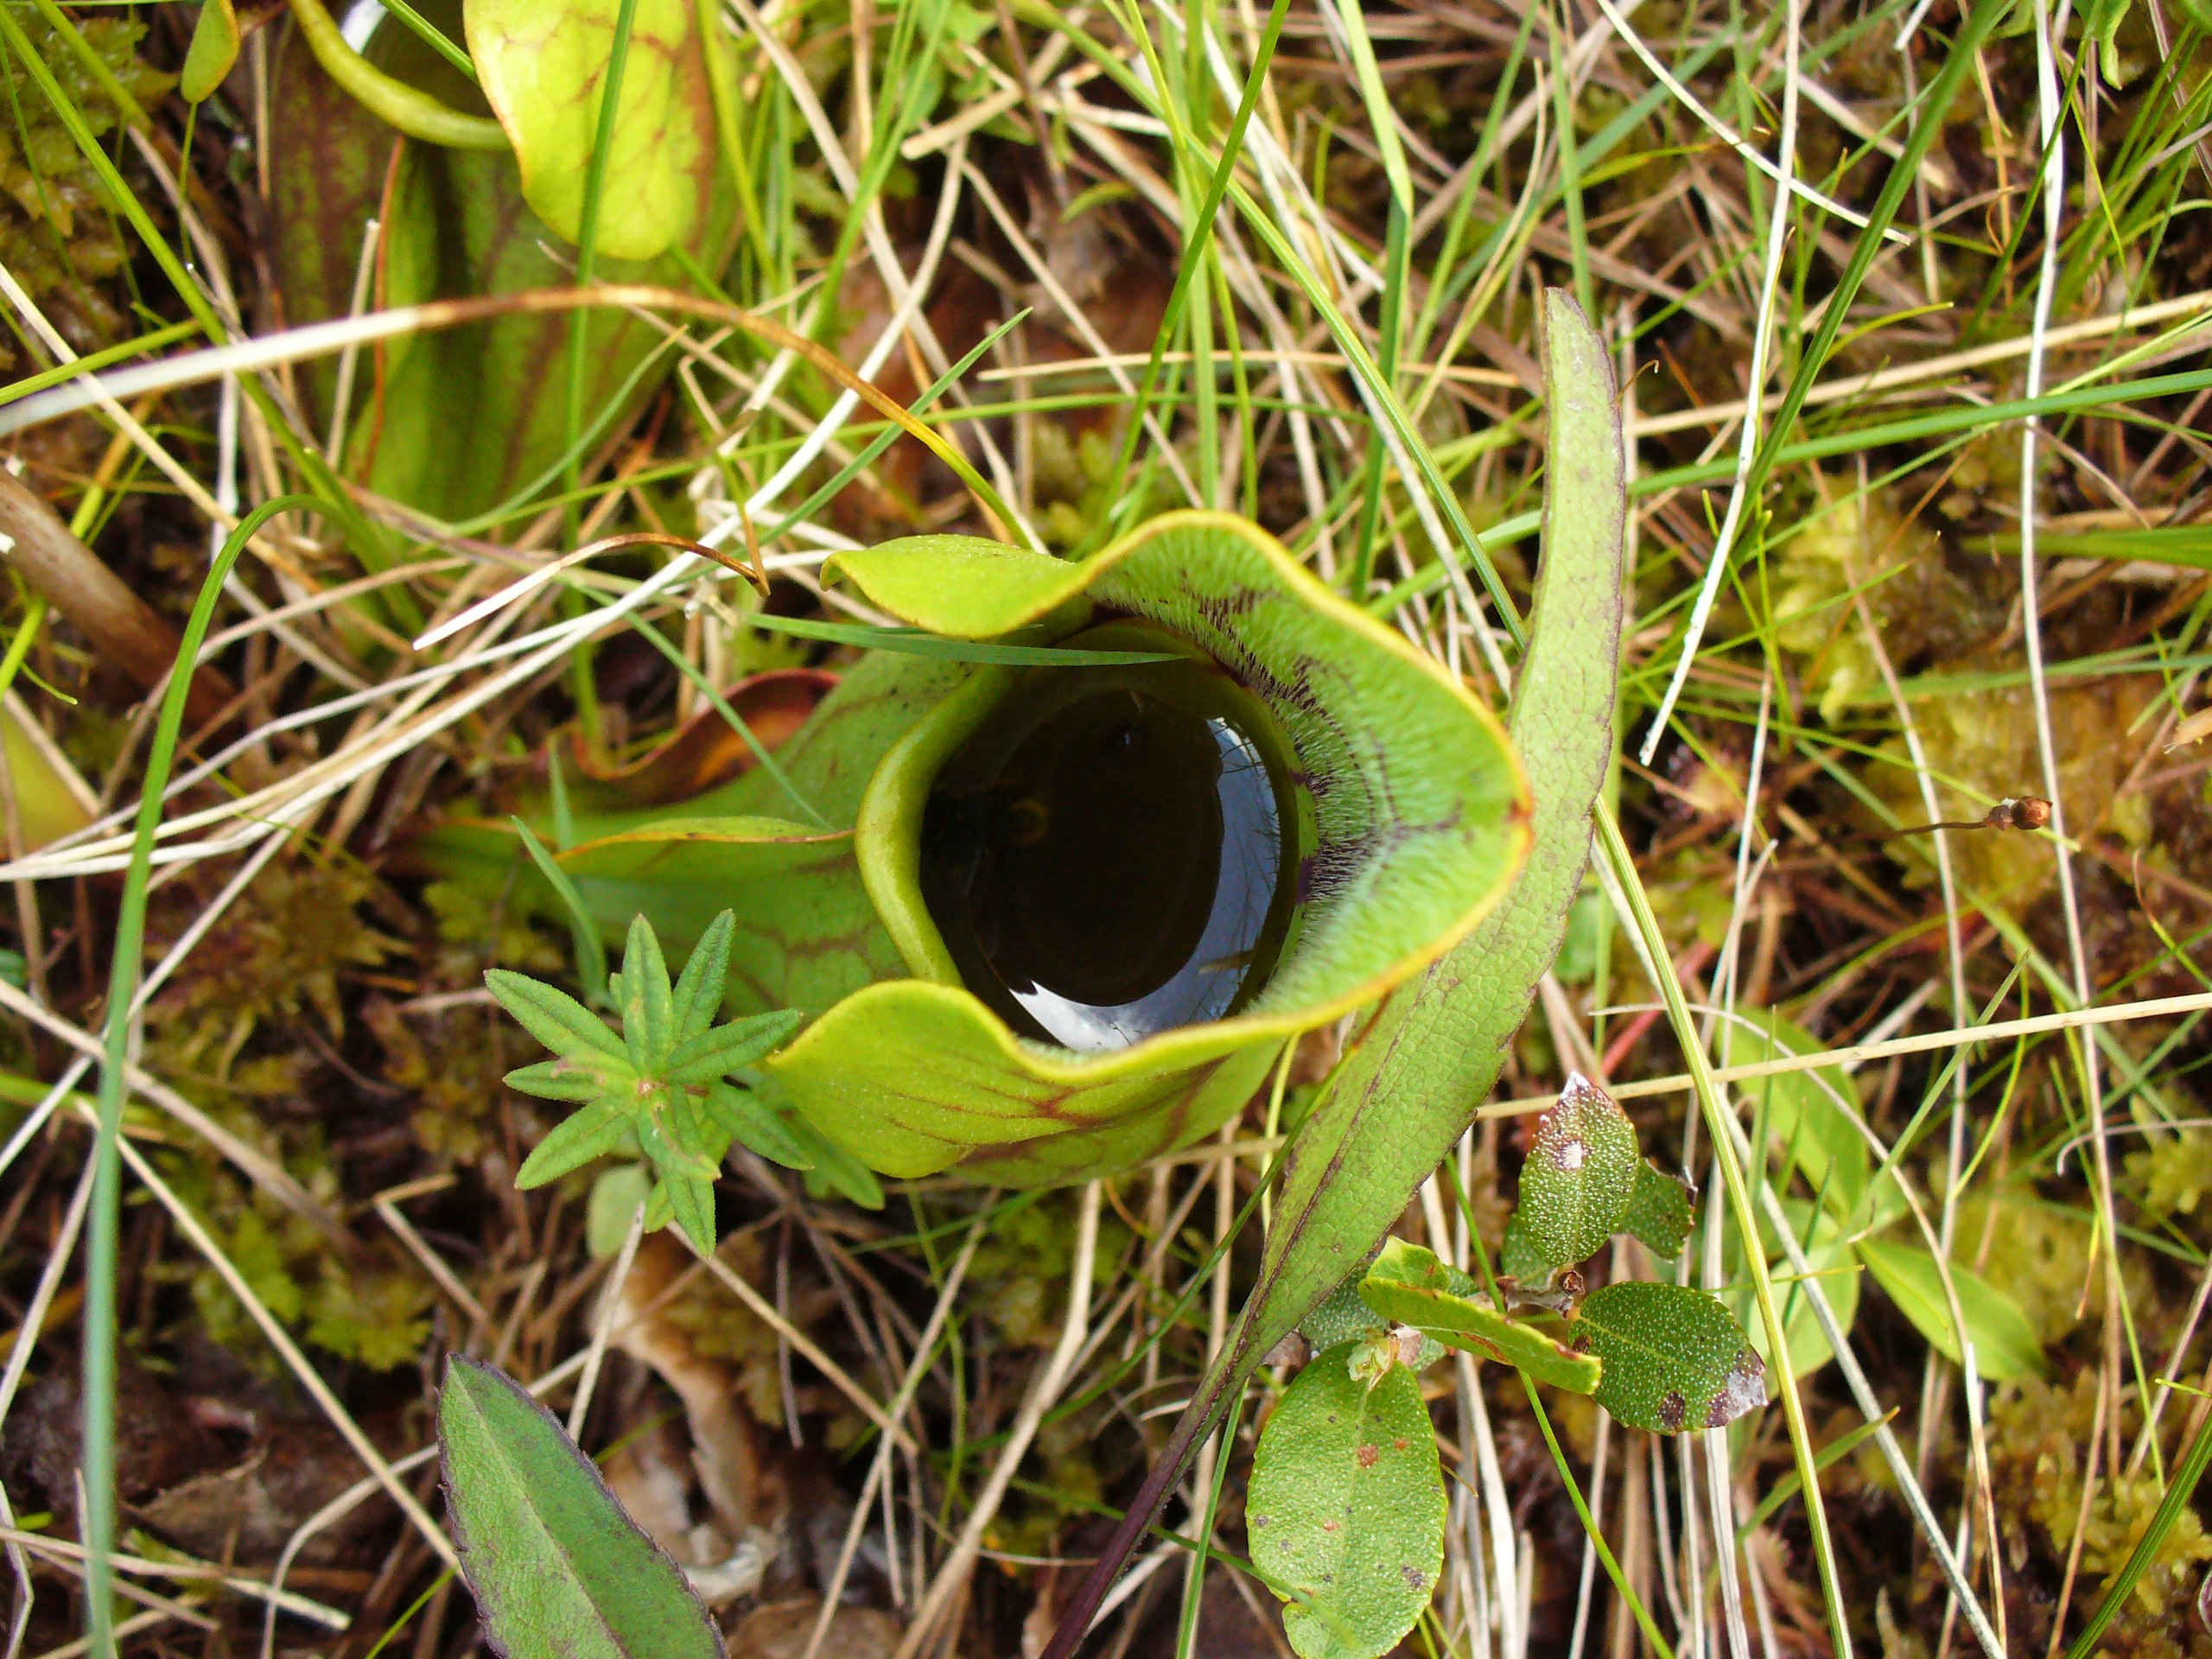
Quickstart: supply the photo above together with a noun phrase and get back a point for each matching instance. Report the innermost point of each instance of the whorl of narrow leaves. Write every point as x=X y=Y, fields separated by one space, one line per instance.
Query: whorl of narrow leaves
x=557 y=1569
x=1581 y=1171
x=1674 y=1359
x=1346 y=1510
x=660 y=1084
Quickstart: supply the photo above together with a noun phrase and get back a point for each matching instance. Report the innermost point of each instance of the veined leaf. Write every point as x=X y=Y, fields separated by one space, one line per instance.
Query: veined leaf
x=569 y=1077
x=1674 y=1359
x=648 y=1001
x=2004 y=1344
x=698 y=995
x=1581 y=1172
x=1659 y=1213
x=555 y=1565
x=739 y=1114
x=1414 y=1286
x=1345 y=1509
x=1406 y=1091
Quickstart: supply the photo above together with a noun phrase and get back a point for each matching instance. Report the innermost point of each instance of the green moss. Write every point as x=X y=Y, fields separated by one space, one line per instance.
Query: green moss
x=57 y=232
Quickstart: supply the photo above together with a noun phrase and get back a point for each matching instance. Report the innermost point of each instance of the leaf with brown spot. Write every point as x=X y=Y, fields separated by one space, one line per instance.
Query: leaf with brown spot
x=1676 y=1359
x=1579 y=1175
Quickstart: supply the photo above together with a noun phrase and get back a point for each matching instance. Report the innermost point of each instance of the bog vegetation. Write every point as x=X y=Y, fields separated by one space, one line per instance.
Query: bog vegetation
x=963 y=827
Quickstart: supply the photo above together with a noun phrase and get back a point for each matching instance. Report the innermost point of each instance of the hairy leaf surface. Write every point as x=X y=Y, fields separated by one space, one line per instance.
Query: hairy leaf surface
x=1346 y=1510
x=557 y=1567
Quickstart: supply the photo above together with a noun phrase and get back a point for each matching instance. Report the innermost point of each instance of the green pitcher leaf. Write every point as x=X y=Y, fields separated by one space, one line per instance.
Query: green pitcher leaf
x=555 y=1565
x=544 y=68
x=1580 y=1172
x=1417 y=817
x=1676 y=1359
x=2005 y=1346
x=1659 y=1213
x=1406 y=1091
x=1345 y=1509
x=459 y=421
x=1414 y=1287
x=215 y=48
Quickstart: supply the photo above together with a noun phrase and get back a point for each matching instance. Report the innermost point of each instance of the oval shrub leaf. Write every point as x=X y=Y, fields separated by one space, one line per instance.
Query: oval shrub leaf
x=1659 y=1213
x=215 y=48
x=1416 y=1287
x=2004 y=1344
x=1676 y=1359
x=555 y=1565
x=1582 y=1170
x=1346 y=1510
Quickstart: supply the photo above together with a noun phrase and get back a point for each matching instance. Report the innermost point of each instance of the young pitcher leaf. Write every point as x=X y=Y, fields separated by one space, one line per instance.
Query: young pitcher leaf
x=1346 y=1510
x=557 y=1567
x=1659 y=1214
x=1674 y=1359
x=215 y=48
x=543 y=67
x=1414 y=1287
x=1582 y=1170
x=2005 y=1346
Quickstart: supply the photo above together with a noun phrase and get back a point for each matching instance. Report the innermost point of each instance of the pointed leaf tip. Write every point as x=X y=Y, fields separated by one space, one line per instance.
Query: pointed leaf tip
x=555 y=1564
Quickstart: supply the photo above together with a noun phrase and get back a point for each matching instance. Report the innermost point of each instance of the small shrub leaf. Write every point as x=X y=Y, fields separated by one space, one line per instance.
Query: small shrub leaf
x=1582 y=1170
x=1659 y=1212
x=2005 y=1346
x=558 y=1571
x=1676 y=1359
x=1346 y=1510
x=1414 y=1287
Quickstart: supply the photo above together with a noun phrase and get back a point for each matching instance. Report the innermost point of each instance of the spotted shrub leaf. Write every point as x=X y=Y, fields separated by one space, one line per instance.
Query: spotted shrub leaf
x=1676 y=1359
x=1580 y=1174
x=1658 y=1211
x=1346 y=1510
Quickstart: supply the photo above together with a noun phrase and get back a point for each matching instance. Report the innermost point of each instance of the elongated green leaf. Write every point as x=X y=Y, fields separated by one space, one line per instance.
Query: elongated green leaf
x=1674 y=1359
x=1579 y=1175
x=1406 y=1091
x=648 y=1001
x=718 y=1052
x=1345 y=1509
x=557 y=1567
x=590 y=1132
x=1829 y=1254
x=215 y=48
x=1658 y=1211
x=698 y=996
x=569 y=1077
x=591 y=954
x=552 y=1016
x=543 y=65
x=1414 y=1287
x=741 y=1115
x=2004 y=1344
x=1419 y=817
